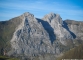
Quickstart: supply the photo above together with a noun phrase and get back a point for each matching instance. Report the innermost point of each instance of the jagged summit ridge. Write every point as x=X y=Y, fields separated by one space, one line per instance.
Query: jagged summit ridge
x=51 y=16
x=28 y=14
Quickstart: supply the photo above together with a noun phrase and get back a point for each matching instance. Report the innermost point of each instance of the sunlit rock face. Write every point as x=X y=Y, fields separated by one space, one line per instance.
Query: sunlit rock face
x=37 y=36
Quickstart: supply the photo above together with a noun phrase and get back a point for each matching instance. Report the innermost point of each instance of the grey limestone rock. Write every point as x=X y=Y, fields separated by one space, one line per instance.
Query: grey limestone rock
x=35 y=36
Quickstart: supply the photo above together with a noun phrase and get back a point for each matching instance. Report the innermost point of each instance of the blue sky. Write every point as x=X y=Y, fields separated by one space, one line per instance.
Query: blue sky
x=68 y=9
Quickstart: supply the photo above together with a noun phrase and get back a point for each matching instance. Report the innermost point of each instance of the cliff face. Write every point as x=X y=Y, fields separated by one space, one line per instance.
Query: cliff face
x=49 y=35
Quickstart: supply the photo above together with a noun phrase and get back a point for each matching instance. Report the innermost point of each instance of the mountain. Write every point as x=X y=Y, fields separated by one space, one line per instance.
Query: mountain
x=26 y=35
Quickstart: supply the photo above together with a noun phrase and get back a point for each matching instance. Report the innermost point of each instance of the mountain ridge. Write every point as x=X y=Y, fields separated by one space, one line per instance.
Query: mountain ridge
x=33 y=36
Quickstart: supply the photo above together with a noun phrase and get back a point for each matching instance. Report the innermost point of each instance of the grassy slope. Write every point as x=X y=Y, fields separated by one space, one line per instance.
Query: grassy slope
x=7 y=58
x=7 y=29
x=75 y=53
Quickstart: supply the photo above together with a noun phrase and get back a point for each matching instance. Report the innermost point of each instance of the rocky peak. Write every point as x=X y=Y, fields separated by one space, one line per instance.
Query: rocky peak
x=27 y=14
x=52 y=17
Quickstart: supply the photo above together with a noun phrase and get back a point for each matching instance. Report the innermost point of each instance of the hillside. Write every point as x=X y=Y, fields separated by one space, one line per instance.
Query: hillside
x=75 y=53
x=7 y=29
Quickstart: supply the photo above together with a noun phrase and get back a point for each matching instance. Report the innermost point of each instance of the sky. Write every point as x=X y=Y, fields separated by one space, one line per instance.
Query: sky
x=67 y=9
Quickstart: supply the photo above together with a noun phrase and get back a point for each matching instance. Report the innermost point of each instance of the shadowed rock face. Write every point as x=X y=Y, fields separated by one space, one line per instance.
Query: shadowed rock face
x=65 y=25
x=35 y=36
x=76 y=27
x=49 y=29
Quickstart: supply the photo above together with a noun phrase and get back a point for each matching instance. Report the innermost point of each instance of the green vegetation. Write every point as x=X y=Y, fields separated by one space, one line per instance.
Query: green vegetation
x=7 y=29
x=75 y=53
x=7 y=58
x=64 y=48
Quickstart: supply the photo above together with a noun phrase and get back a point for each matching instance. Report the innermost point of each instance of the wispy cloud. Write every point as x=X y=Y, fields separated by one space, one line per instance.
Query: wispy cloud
x=38 y=6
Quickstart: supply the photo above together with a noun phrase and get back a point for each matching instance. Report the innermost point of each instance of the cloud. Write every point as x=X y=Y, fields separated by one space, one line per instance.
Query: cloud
x=38 y=6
